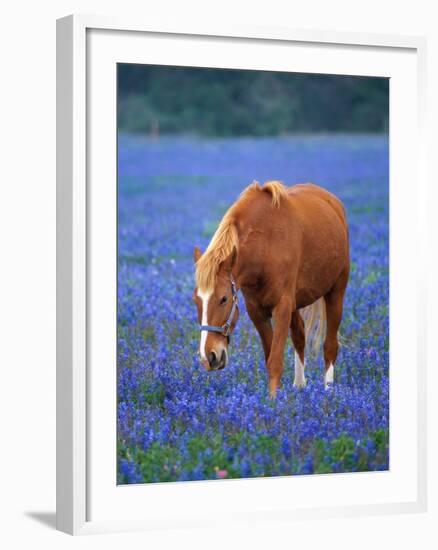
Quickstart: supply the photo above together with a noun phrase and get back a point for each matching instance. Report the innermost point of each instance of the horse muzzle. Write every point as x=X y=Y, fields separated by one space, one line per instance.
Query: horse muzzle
x=217 y=361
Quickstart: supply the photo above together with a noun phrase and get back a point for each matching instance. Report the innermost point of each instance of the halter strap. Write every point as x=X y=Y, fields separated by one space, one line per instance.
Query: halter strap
x=225 y=329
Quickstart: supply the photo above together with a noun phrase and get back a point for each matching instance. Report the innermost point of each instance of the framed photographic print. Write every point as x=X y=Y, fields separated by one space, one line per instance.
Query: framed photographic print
x=240 y=279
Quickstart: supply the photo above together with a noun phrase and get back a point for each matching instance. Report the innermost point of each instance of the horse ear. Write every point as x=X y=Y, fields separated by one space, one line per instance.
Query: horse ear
x=229 y=262
x=196 y=253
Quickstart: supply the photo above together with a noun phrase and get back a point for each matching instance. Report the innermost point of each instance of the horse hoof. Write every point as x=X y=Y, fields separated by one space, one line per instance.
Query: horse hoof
x=300 y=384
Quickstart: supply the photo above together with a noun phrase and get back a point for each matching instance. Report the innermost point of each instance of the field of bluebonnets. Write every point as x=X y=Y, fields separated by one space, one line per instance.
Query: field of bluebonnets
x=175 y=420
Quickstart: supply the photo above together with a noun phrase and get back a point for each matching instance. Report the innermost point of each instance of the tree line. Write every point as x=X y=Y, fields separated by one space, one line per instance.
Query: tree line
x=224 y=102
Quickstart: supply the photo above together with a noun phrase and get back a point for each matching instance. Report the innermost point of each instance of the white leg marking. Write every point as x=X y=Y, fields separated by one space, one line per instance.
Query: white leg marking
x=300 y=379
x=205 y=296
x=329 y=376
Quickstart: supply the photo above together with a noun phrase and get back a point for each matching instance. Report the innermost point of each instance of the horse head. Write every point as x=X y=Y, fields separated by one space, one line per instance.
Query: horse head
x=217 y=313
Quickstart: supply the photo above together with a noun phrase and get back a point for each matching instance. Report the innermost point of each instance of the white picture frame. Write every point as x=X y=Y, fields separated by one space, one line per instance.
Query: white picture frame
x=76 y=447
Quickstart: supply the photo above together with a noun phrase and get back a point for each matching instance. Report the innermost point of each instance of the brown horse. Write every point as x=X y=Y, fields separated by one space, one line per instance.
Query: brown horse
x=287 y=250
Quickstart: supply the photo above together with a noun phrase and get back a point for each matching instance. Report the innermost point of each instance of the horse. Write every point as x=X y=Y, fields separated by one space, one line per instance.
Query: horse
x=287 y=250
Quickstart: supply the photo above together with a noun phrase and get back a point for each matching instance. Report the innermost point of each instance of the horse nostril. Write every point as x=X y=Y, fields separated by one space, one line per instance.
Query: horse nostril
x=212 y=359
x=223 y=357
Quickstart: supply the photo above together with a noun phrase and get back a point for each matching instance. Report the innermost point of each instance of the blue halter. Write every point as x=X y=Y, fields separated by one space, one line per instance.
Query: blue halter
x=225 y=329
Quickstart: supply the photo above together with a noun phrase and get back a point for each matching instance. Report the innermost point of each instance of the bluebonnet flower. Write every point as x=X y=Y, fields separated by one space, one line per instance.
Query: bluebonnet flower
x=178 y=422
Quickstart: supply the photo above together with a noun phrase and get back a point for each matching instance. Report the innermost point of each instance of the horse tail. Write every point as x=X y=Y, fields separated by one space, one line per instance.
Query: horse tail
x=315 y=323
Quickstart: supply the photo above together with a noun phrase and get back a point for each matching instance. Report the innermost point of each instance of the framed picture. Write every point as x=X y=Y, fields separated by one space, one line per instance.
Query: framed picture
x=241 y=289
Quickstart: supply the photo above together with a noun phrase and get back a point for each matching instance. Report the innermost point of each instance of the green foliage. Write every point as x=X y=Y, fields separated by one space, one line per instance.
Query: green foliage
x=343 y=454
x=225 y=102
x=207 y=456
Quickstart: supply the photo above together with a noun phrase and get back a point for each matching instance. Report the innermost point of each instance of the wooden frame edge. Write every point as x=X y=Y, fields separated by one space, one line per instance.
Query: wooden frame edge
x=71 y=277
x=71 y=211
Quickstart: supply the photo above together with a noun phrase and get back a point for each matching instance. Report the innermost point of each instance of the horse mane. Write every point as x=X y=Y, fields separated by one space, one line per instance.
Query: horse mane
x=226 y=237
x=220 y=247
x=275 y=188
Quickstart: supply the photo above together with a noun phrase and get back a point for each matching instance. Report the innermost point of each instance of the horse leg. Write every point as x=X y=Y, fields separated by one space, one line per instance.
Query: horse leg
x=262 y=323
x=281 y=315
x=334 y=303
x=299 y=342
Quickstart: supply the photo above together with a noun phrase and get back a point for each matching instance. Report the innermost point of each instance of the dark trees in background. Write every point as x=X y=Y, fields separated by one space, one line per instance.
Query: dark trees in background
x=223 y=102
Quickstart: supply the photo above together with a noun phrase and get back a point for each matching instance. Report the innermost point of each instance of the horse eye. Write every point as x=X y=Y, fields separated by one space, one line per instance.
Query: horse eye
x=223 y=300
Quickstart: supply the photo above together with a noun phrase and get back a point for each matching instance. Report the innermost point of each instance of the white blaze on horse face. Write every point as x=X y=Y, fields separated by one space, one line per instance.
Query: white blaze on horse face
x=205 y=297
x=299 y=379
x=329 y=376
